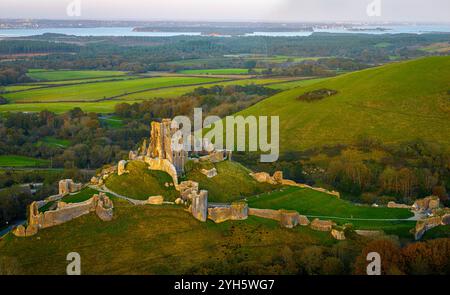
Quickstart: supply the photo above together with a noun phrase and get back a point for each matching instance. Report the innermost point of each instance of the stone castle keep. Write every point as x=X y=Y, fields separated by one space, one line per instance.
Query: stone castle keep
x=160 y=146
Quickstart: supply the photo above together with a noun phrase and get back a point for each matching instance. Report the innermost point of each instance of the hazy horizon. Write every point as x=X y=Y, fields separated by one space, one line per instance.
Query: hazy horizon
x=432 y=11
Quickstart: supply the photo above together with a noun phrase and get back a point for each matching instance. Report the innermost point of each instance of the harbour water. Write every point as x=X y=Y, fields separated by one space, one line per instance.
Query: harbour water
x=128 y=31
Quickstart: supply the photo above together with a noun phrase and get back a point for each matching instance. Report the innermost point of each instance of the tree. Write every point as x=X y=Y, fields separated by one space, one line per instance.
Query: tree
x=250 y=64
x=391 y=258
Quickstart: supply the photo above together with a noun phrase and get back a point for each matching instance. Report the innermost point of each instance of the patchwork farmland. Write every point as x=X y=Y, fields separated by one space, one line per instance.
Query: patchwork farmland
x=100 y=91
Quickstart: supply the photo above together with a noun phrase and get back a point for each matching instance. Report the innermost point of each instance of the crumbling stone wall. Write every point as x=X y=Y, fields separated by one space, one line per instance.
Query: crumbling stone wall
x=277 y=179
x=65 y=212
x=286 y=218
x=338 y=234
x=426 y=224
x=322 y=225
x=121 y=167
x=425 y=204
x=265 y=213
x=289 y=219
x=103 y=175
x=265 y=177
x=209 y=173
x=369 y=233
x=217 y=156
x=440 y=217
x=187 y=188
x=67 y=186
x=165 y=166
x=396 y=205
x=236 y=211
x=219 y=214
x=199 y=205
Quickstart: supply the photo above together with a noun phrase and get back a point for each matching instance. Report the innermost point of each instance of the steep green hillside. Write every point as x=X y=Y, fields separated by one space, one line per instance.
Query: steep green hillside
x=394 y=103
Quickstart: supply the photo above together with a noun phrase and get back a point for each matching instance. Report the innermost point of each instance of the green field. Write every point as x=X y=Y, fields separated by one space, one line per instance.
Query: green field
x=394 y=103
x=61 y=107
x=107 y=106
x=21 y=161
x=142 y=183
x=54 y=142
x=218 y=72
x=156 y=240
x=317 y=204
x=112 y=121
x=12 y=88
x=101 y=90
x=179 y=91
x=58 y=75
x=87 y=80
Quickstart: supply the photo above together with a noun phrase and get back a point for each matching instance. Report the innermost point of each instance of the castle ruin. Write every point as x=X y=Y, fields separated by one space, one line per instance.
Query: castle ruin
x=160 y=146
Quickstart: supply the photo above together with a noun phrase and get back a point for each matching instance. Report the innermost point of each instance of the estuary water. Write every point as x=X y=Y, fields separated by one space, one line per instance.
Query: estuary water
x=128 y=31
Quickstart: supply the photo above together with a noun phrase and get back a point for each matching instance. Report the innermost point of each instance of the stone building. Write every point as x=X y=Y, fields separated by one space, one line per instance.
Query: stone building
x=160 y=146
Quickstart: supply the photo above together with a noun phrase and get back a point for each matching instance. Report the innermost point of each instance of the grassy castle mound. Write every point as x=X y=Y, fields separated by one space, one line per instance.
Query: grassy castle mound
x=156 y=240
x=231 y=183
x=141 y=183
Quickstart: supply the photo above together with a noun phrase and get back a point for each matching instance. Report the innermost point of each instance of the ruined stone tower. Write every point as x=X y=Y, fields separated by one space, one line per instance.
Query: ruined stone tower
x=161 y=145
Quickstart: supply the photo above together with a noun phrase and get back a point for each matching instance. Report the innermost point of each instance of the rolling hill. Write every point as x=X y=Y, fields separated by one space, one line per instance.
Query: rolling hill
x=393 y=103
x=155 y=240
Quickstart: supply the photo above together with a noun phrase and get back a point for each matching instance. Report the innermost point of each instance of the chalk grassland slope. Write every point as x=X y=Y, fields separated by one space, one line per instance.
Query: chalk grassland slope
x=393 y=103
x=171 y=92
x=21 y=161
x=101 y=90
x=154 y=240
x=232 y=182
x=50 y=75
x=313 y=203
x=142 y=183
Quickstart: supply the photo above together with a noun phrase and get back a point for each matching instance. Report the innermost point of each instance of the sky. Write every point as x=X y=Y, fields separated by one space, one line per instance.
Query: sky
x=232 y=10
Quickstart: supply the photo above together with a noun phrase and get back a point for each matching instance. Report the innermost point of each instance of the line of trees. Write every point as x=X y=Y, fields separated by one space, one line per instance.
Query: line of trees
x=93 y=143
